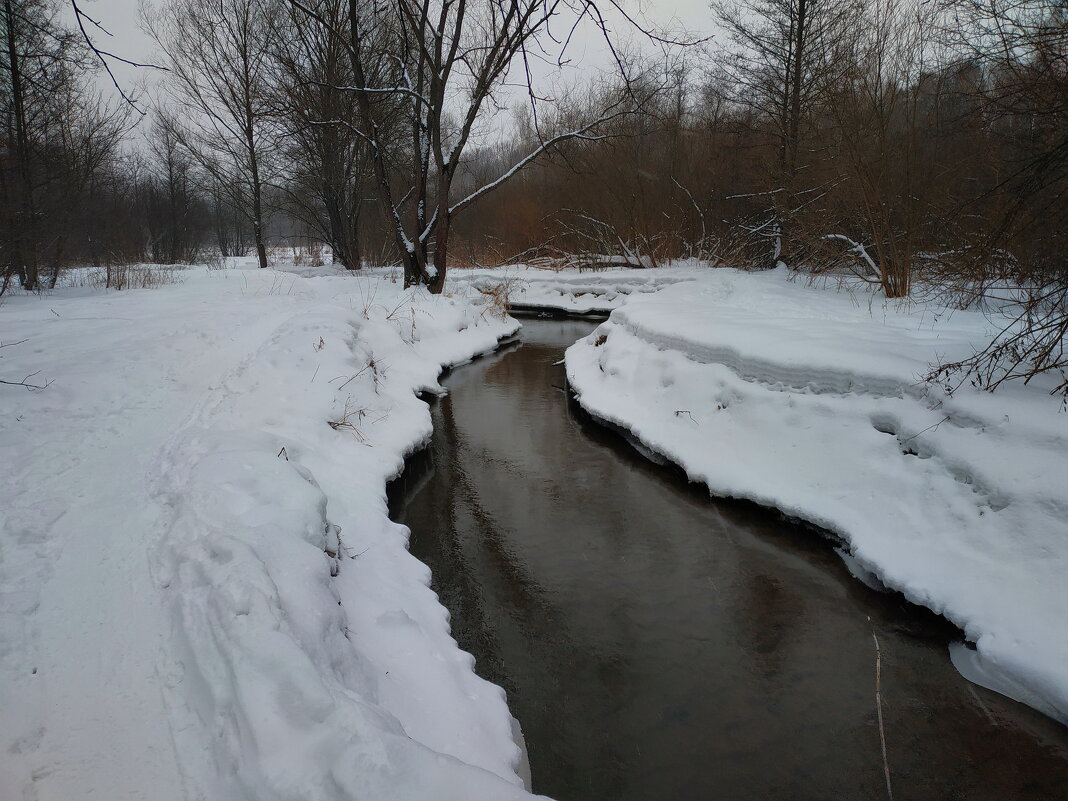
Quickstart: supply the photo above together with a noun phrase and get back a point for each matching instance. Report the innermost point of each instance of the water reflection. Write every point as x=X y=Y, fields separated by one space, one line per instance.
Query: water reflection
x=656 y=645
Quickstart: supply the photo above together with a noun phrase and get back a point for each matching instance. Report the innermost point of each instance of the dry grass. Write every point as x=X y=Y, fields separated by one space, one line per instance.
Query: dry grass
x=130 y=276
x=497 y=298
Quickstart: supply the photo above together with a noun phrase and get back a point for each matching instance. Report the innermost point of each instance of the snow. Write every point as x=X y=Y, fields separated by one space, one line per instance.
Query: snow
x=809 y=400
x=202 y=594
x=572 y=291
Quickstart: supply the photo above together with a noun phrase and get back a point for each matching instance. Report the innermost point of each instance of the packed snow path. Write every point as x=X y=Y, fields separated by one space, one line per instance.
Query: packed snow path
x=809 y=401
x=174 y=506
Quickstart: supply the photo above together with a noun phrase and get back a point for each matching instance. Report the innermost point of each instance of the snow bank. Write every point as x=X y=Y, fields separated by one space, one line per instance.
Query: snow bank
x=203 y=596
x=809 y=401
x=572 y=291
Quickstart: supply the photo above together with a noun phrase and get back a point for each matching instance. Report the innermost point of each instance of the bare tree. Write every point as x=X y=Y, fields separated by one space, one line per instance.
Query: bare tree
x=1020 y=50
x=328 y=168
x=783 y=58
x=442 y=62
x=176 y=211
x=219 y=53
x=781 y=61
x=878 y=127
x=41 y=58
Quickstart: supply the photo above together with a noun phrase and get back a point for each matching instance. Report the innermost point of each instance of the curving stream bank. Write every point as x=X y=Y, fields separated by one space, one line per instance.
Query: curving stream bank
x=655 y=644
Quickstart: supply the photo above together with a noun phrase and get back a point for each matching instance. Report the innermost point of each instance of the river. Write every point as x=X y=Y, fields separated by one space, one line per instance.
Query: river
x=657 y=644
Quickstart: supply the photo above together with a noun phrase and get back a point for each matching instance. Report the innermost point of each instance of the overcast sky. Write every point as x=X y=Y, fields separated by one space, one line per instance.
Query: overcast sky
x=121 y=18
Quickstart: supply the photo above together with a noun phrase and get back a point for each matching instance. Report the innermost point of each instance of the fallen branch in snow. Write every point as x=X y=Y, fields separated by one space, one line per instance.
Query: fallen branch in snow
x=25 y=382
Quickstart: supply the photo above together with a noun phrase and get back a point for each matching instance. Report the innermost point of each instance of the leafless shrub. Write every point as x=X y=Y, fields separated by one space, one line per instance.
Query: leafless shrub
x=315 y=254
x=1031 y=344
x=213 y=260
x=134 y=276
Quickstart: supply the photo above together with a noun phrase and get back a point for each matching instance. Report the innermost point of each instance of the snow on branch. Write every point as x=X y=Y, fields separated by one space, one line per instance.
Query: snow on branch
x=859 y=250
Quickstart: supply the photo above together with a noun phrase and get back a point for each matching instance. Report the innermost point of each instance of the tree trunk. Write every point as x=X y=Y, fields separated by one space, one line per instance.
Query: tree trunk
x=441 y=246
x=257 y=189
x=24 y=255
x=795 y=92
x=340 y=238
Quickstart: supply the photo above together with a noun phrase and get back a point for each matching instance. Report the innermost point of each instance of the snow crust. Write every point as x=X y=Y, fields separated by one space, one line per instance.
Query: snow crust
x=201 y=594
x=808 y=400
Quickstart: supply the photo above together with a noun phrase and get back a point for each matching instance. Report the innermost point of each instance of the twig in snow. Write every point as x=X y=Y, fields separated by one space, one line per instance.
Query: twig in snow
x=929 y=428
x=354 y=376
x=879 y=711
x=25 y=382
x=282 y=453
x=681 y=412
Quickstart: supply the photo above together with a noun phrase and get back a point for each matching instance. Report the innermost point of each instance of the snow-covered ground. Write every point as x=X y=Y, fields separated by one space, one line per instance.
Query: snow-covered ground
x=808 y=400
x=201 y=595
x=595 y=292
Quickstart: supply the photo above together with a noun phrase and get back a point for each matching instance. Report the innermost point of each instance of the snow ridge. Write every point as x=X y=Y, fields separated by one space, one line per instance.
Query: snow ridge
x=773 y=375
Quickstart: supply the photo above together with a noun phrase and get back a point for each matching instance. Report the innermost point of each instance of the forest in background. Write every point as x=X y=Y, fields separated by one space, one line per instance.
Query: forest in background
x=910 y=144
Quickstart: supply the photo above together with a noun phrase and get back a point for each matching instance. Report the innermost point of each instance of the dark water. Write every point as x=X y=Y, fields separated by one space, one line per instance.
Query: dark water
x=656 y=644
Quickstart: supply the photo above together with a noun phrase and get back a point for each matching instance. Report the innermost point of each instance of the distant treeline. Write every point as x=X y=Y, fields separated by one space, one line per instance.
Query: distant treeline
x=895 y=139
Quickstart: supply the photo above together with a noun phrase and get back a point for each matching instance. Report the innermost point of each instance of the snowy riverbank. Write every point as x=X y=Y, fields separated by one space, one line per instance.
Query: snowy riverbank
x=808 y=400
x=203 y=596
